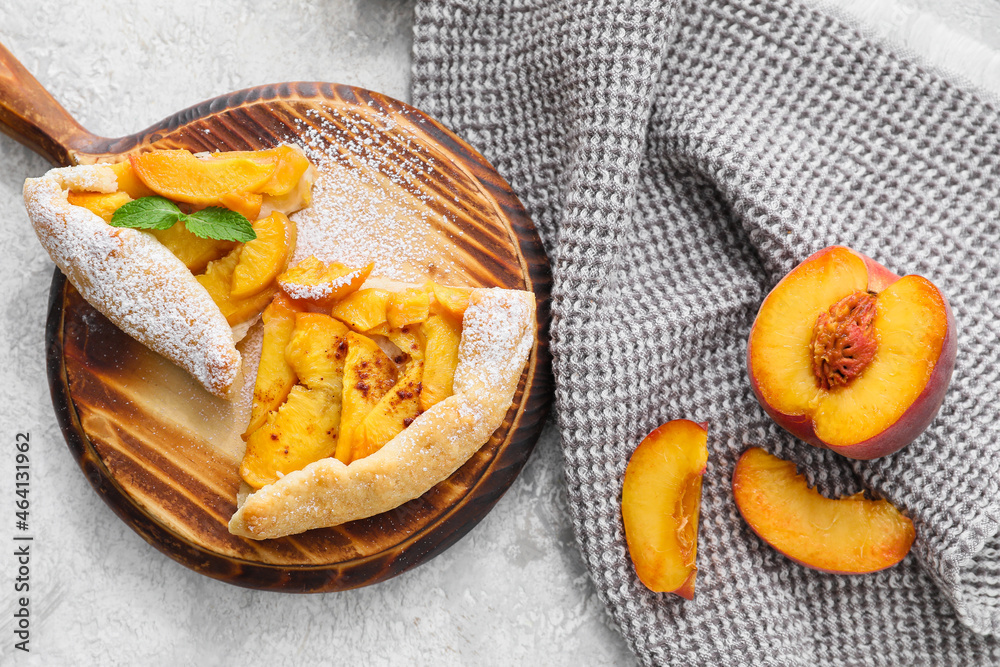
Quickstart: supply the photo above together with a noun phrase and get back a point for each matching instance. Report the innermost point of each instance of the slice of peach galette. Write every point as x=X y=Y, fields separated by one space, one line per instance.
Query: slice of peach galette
x=368 y=392
x=181 y=252
x=366 y=398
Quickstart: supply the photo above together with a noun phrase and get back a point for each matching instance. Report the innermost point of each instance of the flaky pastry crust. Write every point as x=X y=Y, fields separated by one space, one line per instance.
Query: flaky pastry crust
x=498 y=332
x=133 y=279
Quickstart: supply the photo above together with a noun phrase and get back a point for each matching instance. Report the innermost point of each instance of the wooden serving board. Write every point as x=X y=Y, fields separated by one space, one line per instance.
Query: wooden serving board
x=162 y=452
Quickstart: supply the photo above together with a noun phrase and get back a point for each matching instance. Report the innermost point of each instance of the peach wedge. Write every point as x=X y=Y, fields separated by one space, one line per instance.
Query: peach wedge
x=661 y=497
x=179 y=175
x=852 y=535
x=322 y=285
x=845 y=354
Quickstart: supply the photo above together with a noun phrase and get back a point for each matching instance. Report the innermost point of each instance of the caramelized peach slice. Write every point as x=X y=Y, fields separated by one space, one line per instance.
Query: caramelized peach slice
x=397 y=409
x=440 y=360
x=218 y=280
x=449 y=301
x=846 y=355
x=661 y=498
x=362 y=310
x=368 y=376
x=128 y=182
x=265 y=257
x=852 y=535
x=306 y=427
x=275 y=377
x=180 y=176
x=103 y=205
x=246 y=204
x=290 y=165
x=302 y=430
x=320 y=284
x=193 y=250
x=317 y=351
x=410 y=306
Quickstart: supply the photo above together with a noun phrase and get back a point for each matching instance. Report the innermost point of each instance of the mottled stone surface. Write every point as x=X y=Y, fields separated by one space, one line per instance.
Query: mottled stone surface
x=514 y=591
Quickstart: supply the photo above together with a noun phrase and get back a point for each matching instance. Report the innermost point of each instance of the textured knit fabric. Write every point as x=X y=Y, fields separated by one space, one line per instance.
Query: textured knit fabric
x=679 y=159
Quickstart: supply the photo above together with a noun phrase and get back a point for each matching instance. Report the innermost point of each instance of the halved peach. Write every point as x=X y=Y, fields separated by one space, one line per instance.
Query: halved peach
x=661 y=497
x=179 y=175
x=845 y=354
x=264 y=257
x=320 y=284
x=852 y=535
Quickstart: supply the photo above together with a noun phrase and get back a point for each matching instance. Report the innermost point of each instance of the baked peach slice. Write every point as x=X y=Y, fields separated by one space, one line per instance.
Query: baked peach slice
x=845 y=354
x=853 y=535
x=368 y=376
x=409 y=340
x=305 y=427
x=264 y=257
x=180 y=176
x=128 y=182
x=275 y=376
x=409 y=306
x=243 y=282
x=449 y=301
x=218 y=279
x=101 y=204
x=442 y=338
x=394 y=412
x=661 y=497
x=363 y=310
x=196 y=252
x=247 y=204
x=290 y=165
x=320 y=284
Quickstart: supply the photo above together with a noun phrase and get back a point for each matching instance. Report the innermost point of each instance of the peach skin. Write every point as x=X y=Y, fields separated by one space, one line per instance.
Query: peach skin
x=852 y=535
x=661 y=497
x=844 y=354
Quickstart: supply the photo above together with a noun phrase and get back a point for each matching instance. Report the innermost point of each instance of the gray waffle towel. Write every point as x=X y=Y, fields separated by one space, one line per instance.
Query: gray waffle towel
x=678 y=159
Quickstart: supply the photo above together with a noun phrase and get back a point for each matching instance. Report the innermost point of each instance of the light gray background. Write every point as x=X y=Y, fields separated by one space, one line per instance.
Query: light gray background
x=514 y=591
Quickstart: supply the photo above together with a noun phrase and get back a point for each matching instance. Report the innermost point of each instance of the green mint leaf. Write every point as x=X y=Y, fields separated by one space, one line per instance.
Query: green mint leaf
x=147 y=213
x=219 y=223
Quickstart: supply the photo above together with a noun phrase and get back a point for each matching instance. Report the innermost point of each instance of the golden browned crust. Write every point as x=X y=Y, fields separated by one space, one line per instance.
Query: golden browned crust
x=497 y=335
x=130 y=277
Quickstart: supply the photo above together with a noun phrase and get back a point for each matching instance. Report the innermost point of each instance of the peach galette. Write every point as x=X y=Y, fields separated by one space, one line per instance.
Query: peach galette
x=181 y=252
x=370 y=392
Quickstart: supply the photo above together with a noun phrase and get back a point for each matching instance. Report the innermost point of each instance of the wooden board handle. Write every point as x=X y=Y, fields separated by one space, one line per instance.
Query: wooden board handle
x=29 y=114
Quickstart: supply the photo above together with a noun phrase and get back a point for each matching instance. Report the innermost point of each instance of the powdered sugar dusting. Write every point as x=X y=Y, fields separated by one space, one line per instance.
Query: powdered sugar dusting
x=497 y=334
x=320 y=291
x=372 y=201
